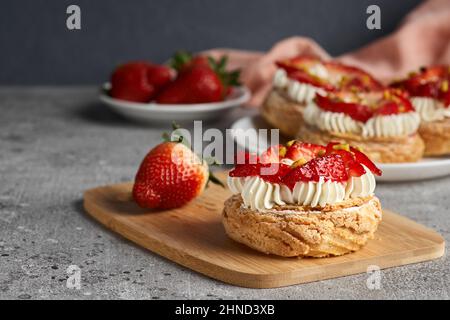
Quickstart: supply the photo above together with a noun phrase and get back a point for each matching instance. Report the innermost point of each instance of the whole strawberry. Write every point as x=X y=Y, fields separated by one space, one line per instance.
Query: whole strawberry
x=159 y=76
x=200 y=79
x=182 y=61
x=197 y=85
x=170 y=176
x=139 y=81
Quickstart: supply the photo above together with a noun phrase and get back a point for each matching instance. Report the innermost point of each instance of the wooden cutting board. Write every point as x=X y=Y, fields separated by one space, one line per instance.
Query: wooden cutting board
x=193 y=236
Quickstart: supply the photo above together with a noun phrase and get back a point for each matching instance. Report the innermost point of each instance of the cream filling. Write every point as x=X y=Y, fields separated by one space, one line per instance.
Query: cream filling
x=258 y=194
x=430 y=109
x=297 y=91
x=379 y=126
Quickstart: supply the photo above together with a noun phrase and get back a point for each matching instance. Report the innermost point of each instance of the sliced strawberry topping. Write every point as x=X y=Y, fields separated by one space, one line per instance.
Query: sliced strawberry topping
x=245 y=170
x=330 y=167
x=330 y=147
x=336 y=162
x=304 y=77
x=355 y=169
x=356 y=111
x=340 y=76
x=388 y=108
x=353 y=159
x=445 y=97
x=271 y=172
x=300 y=150
x=244 y=157
x=302 y=62
x=353 y=77
x=362 y=158
x=432 y=82
x=274 y=172
x=363 y=106
x=394 y=102
x=273 y=154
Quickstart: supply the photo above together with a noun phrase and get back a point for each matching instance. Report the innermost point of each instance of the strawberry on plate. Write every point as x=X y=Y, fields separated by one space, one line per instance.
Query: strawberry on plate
x=159 y=76
x=138 y=81
x=200 y=79
x=170 y=176
x=362 y=106
x=199 y=84
x=183 y=61
x=328 y=75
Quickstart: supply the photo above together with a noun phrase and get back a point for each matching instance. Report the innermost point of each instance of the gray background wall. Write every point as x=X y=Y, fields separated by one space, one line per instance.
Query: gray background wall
x=37 y=48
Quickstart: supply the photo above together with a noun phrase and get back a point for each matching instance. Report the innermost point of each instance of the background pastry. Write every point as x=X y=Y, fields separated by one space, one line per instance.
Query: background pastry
x=296 y=83
x=430 y=95
x=383 y=123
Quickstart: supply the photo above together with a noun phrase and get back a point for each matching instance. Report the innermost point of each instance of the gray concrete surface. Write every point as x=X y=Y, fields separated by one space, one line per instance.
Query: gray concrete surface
x=55 y=143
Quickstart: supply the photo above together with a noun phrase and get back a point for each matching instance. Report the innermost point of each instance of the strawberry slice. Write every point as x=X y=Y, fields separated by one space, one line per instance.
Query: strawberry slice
x=338 y=76
x=351 y=78
x=274 y=172
x=336 y=162
x=305 y=77
x=245 y=170
x=330 y=147
x=429 y=82
x=273 y=154
x=363 y=106
x=353 y=158
x=301 y=62
x=298 y=150
x=354 y=168
x=362 y=158
x=388 y=108
x=244 y=157
x=356 y=111
x=330 y=167
x=444 y=96
x=394 y=102
x=299 y=68
x=271 y=172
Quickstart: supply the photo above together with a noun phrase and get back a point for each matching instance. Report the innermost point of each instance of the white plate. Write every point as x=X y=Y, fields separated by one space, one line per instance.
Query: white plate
x=427 y=168
x=151 y=112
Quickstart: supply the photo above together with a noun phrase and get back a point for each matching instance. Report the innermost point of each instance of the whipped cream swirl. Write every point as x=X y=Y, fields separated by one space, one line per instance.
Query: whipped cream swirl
x=297 y=91
x=379 y=126
x=258 y=194
x=430 y=109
